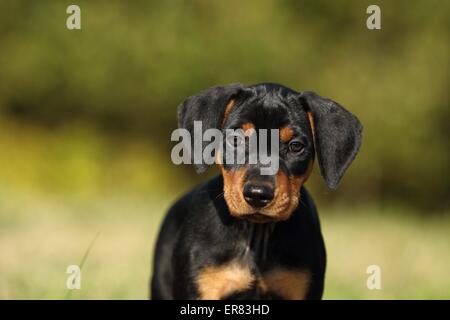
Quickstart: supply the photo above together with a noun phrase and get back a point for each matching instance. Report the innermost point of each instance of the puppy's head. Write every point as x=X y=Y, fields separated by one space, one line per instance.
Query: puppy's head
x=307 y=124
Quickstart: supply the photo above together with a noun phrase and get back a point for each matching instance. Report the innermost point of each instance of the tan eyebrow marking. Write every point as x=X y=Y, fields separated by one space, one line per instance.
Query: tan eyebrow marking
x=286 y=134
x=248 y=126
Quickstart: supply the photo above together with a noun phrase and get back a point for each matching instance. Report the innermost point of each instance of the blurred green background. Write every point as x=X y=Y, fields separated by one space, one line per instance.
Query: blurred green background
x=86 y=117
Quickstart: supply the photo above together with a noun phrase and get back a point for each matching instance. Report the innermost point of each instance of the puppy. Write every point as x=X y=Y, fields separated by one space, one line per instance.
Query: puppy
x=248 y=235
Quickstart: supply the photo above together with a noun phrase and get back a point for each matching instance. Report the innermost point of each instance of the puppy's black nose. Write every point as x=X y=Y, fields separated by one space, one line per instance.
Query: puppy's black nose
x=258 y=196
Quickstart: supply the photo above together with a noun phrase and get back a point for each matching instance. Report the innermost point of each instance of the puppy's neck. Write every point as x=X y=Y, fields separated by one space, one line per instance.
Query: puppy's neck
x=257 y=238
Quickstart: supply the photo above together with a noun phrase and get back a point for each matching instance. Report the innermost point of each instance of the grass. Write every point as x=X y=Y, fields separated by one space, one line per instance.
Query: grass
x=39 y=241
x=40 y=237
x=412 y=253
x=59 y=189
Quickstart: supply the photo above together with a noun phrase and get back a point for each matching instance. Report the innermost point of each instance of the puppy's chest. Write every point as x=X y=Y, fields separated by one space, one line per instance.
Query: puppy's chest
x=238 y=279
x=251 y=274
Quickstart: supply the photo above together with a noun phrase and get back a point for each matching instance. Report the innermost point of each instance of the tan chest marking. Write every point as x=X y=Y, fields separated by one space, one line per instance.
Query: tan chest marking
x=286 y=283
x=217 y=282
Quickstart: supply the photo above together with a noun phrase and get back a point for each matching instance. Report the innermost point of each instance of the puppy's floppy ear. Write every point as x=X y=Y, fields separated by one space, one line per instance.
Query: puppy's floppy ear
x=337 y=135
x=211 y=107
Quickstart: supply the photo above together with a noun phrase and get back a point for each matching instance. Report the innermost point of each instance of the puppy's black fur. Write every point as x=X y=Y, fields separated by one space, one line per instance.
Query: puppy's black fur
x=243 y=235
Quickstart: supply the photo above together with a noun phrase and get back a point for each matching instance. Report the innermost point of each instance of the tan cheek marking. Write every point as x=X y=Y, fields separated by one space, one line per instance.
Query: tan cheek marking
x=296 y=183
x=233 y=184
x=283 y=187
x=287 y=194
x=286 y=134
x=279 y=206
x=288 y=284
x=228 y=109
x=216 y=283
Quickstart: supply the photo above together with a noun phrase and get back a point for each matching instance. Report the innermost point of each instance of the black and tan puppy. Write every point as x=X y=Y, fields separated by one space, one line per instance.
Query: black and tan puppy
x=244 y=235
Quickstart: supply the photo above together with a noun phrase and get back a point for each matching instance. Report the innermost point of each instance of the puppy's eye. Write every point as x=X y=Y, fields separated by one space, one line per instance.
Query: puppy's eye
x=235 y=140
x=296 y=147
